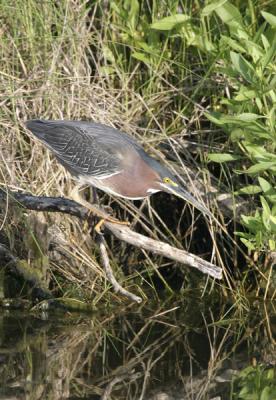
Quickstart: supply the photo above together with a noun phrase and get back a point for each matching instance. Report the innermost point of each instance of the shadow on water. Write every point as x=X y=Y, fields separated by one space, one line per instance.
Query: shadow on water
x=172 y=351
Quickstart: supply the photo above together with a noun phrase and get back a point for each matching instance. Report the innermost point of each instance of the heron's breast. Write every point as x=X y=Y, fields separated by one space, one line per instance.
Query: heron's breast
x=133 y=182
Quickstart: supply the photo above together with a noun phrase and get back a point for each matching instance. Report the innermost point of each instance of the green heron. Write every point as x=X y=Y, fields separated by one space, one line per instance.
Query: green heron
x=108 y=159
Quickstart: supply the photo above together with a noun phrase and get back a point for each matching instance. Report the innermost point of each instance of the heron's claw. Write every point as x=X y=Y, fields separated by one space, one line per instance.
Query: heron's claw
x=99 y=225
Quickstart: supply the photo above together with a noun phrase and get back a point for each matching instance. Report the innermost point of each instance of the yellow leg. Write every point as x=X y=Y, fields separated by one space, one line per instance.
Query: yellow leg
x=75 y=194
x=99 y=225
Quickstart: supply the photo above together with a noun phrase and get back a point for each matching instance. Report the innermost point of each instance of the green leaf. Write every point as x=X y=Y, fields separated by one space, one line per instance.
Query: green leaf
x=242 y=35
x=115 y=7
x=207 y=10
x=260 y=153
x=265 y=42
x=270 y=374
x=272 y=247
x=253 y=224
x=141 y=57
x=260 y=167
x=270 y=54
x=265 y=185
x=170 y=22
x=248 y=244
x=106 y=70
x=108 y=55
x=222 y=157
x=270 y=18
x=246 y=117
x=226 y=40
x=133 y=13
x=246 y=95
x=272 y=221
x=254 y=50
x=216 y=117
x=267 y=394
x=266 y=214
x=229 y=14
x=247 y=371
x=250 y=189
x=273 y=211
x=242 y=66
x=237 y=134
x=271 y=198
x=223 y=119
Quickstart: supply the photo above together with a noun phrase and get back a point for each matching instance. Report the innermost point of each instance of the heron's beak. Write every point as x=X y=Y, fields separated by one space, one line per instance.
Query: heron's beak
x=183 y=194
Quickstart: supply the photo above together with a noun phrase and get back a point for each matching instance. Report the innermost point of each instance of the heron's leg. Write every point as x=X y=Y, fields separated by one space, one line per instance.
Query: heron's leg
x=95 y=200
x=95 y=195
x=94 y=210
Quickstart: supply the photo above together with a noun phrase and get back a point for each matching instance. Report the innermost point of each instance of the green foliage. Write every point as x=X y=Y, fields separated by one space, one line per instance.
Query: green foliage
x=133 y=30
x=155 y=34
x=261 y=228
x=248 y=65
x=255 y=383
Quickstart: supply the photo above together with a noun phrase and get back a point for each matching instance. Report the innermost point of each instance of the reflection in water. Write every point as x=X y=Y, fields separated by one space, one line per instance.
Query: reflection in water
x=180 y=350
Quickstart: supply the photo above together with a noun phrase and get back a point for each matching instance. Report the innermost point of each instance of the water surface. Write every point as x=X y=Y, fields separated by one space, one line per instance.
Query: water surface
x=175 y=350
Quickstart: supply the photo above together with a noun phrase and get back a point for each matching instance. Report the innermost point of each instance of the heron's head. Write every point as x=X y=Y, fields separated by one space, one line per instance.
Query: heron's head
x=168 y=183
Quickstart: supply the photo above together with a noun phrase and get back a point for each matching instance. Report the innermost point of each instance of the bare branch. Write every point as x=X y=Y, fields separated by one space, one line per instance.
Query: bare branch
x=122 y=232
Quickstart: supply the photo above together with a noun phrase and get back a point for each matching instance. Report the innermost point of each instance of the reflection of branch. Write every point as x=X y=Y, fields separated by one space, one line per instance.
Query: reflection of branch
x=122 y=232
x=108 y=390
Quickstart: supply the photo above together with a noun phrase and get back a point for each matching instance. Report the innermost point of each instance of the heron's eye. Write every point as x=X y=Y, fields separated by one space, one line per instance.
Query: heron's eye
x=169 y=181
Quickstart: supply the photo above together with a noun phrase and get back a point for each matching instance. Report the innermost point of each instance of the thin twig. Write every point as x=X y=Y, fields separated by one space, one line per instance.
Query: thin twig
x=109 y=273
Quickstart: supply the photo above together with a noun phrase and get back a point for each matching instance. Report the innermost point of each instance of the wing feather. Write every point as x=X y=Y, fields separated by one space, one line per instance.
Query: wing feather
x=84 y=148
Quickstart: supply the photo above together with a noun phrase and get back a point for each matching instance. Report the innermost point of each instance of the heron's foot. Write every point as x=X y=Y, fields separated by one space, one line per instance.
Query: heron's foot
x=117 y=221
x=109 y=219
x=94 y=210
x=99 y=225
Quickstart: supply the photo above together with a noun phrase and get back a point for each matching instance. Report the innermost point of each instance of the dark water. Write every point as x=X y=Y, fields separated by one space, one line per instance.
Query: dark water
x=175 y=350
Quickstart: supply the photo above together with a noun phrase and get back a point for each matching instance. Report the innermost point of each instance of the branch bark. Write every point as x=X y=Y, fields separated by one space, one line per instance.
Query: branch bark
x=122 y=232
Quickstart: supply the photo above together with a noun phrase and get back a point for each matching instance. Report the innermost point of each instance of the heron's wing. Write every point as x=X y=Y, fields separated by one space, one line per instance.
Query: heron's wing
x=84 y=148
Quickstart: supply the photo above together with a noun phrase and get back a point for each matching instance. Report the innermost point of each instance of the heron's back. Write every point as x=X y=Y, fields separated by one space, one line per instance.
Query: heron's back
x=84 y=147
